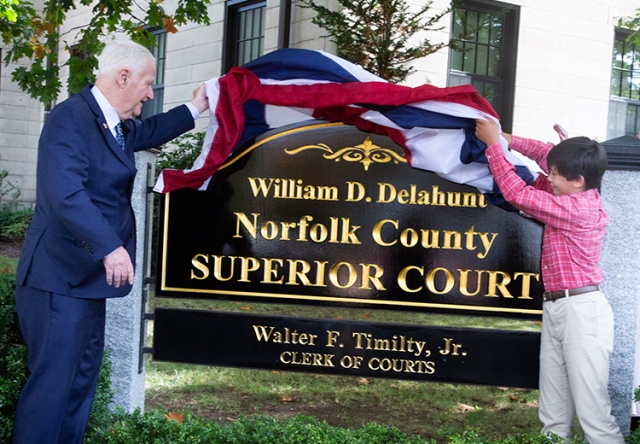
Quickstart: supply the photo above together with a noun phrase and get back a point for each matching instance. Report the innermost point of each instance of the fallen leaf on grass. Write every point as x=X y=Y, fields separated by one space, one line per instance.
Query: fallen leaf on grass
x=514 y=398
x=174 y=416
x=465 y=407
x=229 y=418
x=286 y=398
x=366 y=316
x=245 y=307
x=365 y=381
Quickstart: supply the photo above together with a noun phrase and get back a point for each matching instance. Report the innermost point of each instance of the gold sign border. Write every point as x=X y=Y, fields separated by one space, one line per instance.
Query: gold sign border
x=163 y=284
x=278 y=135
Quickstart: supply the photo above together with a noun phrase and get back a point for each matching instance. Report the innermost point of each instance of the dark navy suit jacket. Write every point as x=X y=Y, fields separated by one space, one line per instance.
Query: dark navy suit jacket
x=83 y=205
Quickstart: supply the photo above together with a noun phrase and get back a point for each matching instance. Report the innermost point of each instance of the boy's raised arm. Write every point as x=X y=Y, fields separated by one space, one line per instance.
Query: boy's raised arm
x=488 y=131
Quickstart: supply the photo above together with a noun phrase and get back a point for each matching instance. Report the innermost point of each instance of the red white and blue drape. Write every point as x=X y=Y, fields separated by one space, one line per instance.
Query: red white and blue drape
x=434 y=125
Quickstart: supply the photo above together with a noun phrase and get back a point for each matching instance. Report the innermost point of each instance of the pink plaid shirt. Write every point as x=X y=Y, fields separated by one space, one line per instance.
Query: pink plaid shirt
x=574 y=223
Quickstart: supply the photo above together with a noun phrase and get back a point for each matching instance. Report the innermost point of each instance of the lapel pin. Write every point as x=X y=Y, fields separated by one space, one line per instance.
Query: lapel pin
x=105 y=125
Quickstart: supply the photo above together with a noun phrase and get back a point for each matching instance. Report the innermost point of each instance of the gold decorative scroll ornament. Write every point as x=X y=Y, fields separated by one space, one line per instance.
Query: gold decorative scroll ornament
x=365 y=153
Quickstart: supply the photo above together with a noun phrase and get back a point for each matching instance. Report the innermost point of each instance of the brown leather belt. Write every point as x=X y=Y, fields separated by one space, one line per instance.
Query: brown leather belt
x=553 y=295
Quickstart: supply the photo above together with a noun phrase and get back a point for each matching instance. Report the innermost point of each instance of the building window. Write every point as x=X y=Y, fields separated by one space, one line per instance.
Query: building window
x=485 y=56
x=159 y=51
x=245 y=32
x=624 y=105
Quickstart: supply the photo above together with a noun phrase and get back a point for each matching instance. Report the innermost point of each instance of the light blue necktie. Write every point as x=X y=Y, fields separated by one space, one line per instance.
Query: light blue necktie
x=119 y=135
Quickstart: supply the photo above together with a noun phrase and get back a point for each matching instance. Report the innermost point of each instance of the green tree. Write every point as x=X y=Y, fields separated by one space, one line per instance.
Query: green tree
x=633 y=24
x=9 y=10
x=35 y=35
x=375 y=34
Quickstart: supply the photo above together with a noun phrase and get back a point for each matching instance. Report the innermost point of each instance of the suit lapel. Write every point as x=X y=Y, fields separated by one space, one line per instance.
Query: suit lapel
x=110 y=141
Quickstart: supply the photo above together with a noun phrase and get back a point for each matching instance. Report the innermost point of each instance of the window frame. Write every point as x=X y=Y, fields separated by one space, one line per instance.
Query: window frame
x=159 y=52
x=506 y=76
x=619 y=103
x=232 y=30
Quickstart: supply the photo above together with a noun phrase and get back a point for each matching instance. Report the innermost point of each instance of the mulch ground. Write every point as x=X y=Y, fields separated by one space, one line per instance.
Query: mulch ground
x=9 y=248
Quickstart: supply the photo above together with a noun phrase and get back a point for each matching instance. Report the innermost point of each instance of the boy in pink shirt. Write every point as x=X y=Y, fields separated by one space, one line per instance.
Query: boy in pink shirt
x=577 y=327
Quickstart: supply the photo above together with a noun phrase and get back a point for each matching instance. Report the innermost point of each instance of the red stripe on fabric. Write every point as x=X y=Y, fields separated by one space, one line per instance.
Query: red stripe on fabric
x=331 y=99
x=375 y=93
x=235 y=89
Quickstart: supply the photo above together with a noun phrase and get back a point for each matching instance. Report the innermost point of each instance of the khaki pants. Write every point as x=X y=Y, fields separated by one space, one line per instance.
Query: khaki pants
x=576 y=343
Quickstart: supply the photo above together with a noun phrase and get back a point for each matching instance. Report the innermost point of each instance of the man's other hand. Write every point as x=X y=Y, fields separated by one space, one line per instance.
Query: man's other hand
x=118 y=267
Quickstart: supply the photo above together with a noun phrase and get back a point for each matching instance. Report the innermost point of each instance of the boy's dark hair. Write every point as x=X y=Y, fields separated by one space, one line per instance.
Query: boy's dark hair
x=579 y=156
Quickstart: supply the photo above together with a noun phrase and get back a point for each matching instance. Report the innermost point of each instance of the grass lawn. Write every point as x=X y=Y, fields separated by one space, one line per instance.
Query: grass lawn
x=423 y=408
x=8 y=263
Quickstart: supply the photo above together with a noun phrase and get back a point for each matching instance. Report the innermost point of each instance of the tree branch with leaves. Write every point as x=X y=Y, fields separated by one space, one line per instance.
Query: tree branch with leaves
x=34 y=35
x=632 y=24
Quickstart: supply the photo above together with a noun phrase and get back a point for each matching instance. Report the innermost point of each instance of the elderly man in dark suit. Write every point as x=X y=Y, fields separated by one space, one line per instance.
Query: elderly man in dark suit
x=80 y=246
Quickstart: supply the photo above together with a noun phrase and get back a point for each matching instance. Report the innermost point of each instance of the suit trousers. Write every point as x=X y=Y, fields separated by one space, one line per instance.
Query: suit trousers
x=576 y=343
x=65 y=340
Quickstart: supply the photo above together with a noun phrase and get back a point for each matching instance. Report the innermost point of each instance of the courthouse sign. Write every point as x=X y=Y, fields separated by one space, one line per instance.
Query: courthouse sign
x=326 y=214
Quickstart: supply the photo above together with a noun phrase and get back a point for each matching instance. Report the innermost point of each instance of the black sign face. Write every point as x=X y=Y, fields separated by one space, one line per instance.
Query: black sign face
x=460 y=355
x=327 y=214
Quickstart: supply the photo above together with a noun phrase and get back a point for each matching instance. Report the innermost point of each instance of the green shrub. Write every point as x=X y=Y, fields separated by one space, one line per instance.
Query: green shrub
x=154 y=427
x=634 y=437
x=181 y=152
x=13 y=356
x=8 y=190
x=101 y=415
x=473 y=437
x=159 y=426
x=14 y=219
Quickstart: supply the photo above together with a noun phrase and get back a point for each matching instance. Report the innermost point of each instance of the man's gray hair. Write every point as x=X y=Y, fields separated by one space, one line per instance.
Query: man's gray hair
x=118 y=54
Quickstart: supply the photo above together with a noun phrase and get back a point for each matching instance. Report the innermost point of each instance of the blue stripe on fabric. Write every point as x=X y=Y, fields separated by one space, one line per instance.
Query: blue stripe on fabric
x=525 y=174
x=472 y=149
x=292 y=63
x=255 y=122
x=496 y=197
x=407 y=117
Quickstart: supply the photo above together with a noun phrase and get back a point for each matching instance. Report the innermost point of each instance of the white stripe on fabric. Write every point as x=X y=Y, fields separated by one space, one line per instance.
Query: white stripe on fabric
x=278 y=116
x=359 y=73
x=297 y=82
